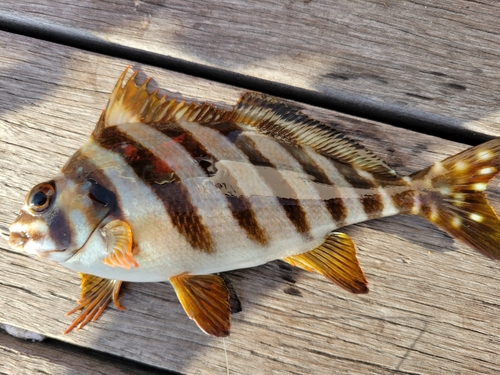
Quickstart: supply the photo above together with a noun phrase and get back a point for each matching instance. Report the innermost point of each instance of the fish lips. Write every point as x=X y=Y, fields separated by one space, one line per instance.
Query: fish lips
x=17 y=240
x=23 y=241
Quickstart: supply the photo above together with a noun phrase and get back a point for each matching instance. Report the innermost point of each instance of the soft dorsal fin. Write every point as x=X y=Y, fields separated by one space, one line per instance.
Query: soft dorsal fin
x=288 y=124
x=129 y=103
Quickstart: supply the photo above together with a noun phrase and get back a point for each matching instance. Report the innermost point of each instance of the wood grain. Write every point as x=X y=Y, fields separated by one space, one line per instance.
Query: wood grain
x=433 y=305
x=55 y=358
x=437 y=62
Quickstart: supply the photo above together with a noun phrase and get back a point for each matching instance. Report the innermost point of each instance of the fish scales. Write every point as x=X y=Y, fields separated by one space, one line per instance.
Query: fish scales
x=204 y=206
x=225 y=150
x=168 y=190
x=200 y=212
x=167 y=154
x=346 y=206
x=250 y=200
x=207 y=206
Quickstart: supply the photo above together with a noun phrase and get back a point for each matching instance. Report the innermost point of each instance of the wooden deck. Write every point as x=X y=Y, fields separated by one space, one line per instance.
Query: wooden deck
x=412 y=81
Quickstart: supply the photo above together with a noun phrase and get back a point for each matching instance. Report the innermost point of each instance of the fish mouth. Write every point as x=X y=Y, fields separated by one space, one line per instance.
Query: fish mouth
x=20 y=240
x=46 y=254
x=17 y=240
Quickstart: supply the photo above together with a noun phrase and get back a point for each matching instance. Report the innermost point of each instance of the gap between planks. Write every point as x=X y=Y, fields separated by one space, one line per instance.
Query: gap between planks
x=58 y=358
x=339 y=101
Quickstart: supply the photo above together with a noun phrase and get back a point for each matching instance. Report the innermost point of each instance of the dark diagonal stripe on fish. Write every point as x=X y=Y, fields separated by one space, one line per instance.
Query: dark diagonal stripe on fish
x=61 y=230
x=335 y=206
x=178 y=204
x=163 y=182
x=240 y=207
x=308 y=165
x=372 y=202
x=242 y=211
x=337 y=209
x=287 y=197
x=81 y=169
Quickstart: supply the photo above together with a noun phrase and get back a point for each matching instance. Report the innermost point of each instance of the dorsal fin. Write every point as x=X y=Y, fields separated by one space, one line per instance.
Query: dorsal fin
x=129 y=103
x=288 y=124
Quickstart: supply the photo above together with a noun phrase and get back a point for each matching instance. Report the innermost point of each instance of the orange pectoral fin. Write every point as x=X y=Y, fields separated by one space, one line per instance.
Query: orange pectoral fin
x=336 y=260
x=97 y=293
x=205 y=299
x=119 y=245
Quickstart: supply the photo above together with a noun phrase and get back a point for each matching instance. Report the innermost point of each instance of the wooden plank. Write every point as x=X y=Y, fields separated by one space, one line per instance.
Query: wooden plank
x=55 y=358
x=433 y=305
x=415 y=61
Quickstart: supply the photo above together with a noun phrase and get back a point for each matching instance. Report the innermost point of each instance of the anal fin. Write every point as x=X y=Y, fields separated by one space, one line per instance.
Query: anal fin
x=336 y=260
x=119 y=245
x=97 y=293
x=205 y=299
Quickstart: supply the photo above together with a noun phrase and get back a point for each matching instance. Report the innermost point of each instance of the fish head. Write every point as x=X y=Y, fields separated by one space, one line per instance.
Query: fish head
x=59 y=216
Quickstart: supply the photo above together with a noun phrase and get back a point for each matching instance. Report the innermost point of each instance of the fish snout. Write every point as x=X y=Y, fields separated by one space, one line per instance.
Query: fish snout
x=17 y=240
x=27 y=235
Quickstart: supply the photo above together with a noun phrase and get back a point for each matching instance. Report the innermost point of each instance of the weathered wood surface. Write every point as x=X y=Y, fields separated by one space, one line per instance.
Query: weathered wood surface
x=433 y=305
x=55 y=358
x=436 y=62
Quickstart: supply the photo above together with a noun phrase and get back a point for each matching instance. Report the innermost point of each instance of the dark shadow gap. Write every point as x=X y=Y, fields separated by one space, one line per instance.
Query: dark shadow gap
x=127 y=365
x=54 y=349
x=343 y=102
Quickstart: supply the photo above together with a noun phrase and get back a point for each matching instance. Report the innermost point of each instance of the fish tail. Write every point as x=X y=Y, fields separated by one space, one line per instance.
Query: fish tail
x=451 y=195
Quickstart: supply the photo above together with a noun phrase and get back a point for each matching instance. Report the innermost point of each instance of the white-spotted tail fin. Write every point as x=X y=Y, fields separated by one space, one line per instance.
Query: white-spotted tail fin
x=451 y=195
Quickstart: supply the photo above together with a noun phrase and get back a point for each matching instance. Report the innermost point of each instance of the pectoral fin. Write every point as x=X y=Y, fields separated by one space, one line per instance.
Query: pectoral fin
x=205 y=299
x=96 y=295
x=336 y=260
x=119 y=245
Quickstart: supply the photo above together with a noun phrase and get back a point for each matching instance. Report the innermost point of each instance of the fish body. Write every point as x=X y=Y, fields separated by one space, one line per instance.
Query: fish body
x=166 y=190
x=238 y=216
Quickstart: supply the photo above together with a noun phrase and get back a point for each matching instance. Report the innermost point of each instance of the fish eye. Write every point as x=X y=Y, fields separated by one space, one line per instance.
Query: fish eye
x=40 y=197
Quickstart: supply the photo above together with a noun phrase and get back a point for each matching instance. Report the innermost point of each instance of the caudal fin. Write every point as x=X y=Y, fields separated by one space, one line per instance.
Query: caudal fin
x=451 y=195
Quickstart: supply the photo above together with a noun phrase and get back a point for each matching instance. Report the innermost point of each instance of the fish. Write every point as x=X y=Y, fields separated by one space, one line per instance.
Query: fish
x=169 y=190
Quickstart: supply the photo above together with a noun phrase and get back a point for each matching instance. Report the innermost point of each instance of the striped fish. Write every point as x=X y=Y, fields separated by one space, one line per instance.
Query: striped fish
x=168 y=190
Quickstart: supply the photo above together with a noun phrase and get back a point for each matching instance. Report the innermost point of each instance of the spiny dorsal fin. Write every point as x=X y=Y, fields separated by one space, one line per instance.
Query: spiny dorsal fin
x=129 y=103
x=336 y=260
x=289 y=124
